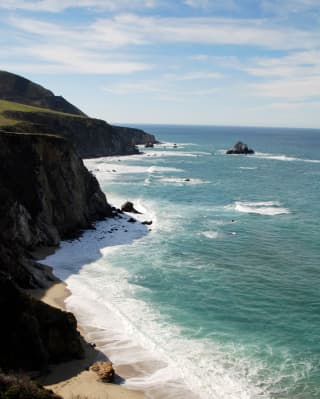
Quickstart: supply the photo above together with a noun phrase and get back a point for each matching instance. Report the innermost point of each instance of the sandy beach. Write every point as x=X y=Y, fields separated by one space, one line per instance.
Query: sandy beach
x=73 y=379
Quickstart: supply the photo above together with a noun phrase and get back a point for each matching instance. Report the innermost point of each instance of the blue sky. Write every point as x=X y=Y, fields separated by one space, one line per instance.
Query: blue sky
x=214 y=62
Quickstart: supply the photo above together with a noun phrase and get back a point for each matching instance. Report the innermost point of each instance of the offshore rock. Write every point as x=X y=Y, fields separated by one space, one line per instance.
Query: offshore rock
x=129 y=207
x=240 y=148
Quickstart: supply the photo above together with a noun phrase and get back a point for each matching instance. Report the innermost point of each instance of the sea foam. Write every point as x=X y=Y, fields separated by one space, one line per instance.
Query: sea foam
x=269 y=208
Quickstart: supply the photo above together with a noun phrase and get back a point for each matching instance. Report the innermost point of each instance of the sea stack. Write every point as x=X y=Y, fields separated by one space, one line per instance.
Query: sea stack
x=240 y=148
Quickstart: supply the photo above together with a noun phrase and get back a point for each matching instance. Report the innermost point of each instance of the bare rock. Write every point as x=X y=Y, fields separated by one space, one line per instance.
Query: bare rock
x=240 y=148
x=129 y=207
x=104 y=370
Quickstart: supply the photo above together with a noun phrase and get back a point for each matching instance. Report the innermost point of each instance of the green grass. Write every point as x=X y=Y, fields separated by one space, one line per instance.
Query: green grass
x=12 y=106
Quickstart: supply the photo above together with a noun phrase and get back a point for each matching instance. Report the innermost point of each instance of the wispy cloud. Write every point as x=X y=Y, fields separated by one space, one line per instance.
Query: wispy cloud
x=159 y=89
x=131 y=29
x=297 y=89
x=279 y=7
x=199 y=75
x=60 y=5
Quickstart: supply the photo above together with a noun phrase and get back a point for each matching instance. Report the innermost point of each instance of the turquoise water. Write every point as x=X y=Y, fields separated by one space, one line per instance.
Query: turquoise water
x=222 y=295
x=232 y=261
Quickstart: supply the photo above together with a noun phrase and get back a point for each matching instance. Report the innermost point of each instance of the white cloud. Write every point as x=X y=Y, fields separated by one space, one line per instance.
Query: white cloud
x=128 y=29
x=213 y=4
x=294 y=89
x=199 y=75
x=159 y=89
x=285 y=7
x=63 y=59
x=60 y=5
x=206 y=31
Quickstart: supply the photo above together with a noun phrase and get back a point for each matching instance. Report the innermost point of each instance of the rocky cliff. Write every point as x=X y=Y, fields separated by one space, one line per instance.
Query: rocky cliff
x=90 y=137
x=46 y=194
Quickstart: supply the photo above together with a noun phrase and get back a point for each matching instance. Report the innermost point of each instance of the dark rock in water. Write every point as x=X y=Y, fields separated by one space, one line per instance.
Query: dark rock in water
x=131 y=220
x=240 y=148
x=187 y=179
x=149 y=145
x=129 y=207
x=148 y=223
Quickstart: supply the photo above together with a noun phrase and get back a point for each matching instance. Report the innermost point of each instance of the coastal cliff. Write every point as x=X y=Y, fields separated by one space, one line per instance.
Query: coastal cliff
x=46 y=194
x=28 y=107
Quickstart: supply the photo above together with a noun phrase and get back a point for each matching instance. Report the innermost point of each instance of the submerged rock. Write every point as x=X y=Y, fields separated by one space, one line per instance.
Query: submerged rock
x=147 y=222
x=240 y=148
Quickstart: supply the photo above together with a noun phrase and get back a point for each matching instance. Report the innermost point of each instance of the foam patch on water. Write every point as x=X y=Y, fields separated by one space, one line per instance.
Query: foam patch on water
x=182 y=181
x=210 y=234
x=276 y=157
x=270 y=208
x=248 y=167
x=282 y=157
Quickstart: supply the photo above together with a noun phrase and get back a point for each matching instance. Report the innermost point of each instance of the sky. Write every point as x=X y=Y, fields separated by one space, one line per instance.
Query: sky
x=206 y=62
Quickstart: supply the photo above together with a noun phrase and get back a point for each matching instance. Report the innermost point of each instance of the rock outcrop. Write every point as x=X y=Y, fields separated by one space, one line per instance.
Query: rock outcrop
x=240 y=148
x=129 y=207
x=104 y=370
x=21 y=387
x=34 y=334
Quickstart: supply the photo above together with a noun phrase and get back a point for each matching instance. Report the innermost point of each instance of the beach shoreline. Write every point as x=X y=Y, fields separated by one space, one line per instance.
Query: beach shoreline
x=74 y=379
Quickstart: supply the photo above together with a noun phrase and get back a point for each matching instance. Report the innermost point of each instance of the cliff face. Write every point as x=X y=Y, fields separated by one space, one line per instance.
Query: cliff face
x=90 y=137
x=46 y=194
x=18 y=89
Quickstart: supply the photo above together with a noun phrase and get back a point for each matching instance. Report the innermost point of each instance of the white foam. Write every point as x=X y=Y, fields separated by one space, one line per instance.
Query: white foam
x=269 y=208
x=182 y=181
x=282 y=157
x=248 y=167
x=210 y=234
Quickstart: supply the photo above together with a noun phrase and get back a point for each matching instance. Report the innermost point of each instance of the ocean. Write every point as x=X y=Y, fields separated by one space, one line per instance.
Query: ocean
x=219 y=298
